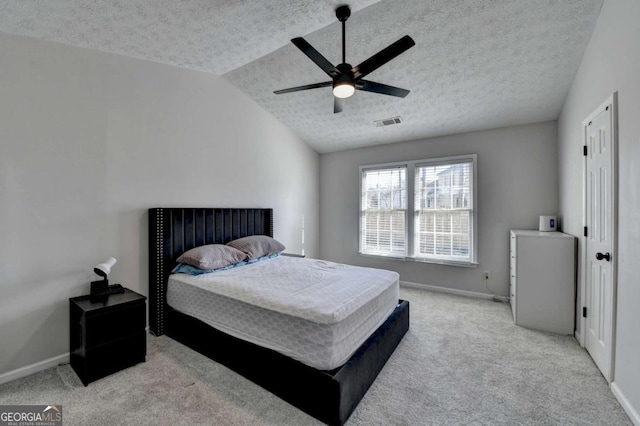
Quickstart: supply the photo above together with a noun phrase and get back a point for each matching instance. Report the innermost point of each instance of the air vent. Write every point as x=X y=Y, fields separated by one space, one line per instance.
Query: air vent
x=388 y=121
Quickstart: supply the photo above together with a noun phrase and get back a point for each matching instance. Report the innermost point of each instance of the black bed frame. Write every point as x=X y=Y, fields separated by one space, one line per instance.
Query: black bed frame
x=330 y=396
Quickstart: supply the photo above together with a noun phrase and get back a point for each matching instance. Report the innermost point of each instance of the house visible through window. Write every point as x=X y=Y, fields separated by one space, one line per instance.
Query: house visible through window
x=419 y=209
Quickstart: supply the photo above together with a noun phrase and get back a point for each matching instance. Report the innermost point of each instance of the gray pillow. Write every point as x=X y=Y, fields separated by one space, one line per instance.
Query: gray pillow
x=257 y=246
x=212 y=256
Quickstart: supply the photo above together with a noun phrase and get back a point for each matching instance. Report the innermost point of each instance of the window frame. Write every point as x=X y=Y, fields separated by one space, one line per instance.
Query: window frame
x=411 y=211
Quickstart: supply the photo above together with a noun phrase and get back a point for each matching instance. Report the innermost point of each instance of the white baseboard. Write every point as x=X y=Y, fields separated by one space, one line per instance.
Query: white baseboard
x=626 y=405
x=454 y=291
x=34 y=368
x=578 y=337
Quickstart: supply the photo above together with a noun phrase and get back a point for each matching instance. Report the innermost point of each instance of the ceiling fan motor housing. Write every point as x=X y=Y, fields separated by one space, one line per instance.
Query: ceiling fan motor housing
x=345 y=71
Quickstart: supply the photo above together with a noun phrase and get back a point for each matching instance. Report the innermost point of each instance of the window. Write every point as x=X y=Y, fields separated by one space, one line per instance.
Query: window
x=384 y=211
x=440 y=226
x=443 y=211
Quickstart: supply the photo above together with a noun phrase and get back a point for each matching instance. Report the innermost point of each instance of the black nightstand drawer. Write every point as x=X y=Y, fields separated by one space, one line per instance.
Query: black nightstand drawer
x=103 y=327
x=107 y=334
x=113 y=357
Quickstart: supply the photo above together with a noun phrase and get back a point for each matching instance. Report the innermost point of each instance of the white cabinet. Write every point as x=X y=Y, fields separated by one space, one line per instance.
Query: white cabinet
x=542 y=280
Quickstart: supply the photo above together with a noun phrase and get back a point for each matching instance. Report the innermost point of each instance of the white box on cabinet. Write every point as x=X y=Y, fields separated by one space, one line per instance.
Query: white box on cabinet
x=542 y=280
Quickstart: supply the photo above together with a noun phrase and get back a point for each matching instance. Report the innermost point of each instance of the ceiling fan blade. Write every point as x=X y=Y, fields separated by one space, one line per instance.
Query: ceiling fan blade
x=316 y=57
x=305 y=87
x=382 y=57
x=384 y=89
x=338 y=104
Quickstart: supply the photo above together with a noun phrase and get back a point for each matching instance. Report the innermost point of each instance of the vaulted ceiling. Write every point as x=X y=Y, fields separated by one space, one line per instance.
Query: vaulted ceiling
x=477 y=64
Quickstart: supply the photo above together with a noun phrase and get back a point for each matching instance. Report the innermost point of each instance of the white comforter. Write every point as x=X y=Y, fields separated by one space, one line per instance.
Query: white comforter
x=316 y=290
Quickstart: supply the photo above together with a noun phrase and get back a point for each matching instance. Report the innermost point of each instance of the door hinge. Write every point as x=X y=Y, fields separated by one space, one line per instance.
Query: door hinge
x=584 y=312
x=585 y=232
x=584 y=150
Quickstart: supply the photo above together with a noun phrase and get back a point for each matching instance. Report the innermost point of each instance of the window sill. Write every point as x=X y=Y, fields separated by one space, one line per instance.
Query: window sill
x=292 y=255
x=431 y=261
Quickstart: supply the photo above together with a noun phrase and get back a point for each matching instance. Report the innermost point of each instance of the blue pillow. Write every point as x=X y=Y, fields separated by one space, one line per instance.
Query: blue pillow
x=269 y=256
x=183 y=268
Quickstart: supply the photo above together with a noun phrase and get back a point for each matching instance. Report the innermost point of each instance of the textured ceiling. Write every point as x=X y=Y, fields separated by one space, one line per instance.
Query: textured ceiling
x=477 y=64
x=208 y=35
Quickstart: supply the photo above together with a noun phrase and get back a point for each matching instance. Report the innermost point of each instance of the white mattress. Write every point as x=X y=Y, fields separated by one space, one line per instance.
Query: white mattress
x=314 y=311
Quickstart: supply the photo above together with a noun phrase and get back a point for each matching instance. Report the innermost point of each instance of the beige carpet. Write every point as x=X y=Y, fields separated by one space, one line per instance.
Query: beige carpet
x=463 y=362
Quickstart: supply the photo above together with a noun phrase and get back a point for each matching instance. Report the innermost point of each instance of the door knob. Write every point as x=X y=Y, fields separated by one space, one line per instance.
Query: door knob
x=601 y=256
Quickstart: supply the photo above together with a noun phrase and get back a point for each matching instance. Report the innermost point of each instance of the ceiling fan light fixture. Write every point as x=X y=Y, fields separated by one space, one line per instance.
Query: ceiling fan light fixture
x=343 y=89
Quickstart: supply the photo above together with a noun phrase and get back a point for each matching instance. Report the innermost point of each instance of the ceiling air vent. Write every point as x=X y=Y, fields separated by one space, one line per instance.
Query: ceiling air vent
x=388 y=121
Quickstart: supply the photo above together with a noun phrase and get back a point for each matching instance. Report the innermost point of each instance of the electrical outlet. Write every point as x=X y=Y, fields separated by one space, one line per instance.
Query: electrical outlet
x=486 y=275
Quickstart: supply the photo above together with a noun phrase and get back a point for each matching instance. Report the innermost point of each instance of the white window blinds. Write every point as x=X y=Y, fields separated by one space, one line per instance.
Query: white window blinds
x=384 y=211
x=444 y=210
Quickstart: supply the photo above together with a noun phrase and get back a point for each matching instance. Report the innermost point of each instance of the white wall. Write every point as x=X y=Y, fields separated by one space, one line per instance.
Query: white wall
x=611 y=63
x=88 y=142
x=517 y=182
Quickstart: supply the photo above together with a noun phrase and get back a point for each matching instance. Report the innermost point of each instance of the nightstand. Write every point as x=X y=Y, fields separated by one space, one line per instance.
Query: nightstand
x=107 y=334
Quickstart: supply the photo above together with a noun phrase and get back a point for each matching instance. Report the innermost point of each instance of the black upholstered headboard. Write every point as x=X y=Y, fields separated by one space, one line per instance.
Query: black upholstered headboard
x=172 y=231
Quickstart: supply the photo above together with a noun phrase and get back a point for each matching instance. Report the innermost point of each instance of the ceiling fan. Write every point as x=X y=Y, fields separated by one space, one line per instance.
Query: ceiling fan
x=345 y=78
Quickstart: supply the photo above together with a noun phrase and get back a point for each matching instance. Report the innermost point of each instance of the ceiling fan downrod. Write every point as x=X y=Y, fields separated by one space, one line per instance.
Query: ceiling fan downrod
x=343 y=13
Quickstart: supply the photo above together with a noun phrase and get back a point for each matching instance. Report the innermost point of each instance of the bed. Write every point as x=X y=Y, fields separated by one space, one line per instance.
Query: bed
x=328 y=394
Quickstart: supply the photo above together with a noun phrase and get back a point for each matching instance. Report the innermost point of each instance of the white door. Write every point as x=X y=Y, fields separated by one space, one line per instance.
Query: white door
x=599 y=242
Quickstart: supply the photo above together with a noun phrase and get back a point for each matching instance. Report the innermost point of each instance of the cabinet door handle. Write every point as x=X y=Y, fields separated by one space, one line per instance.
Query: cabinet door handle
x=605 y=256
